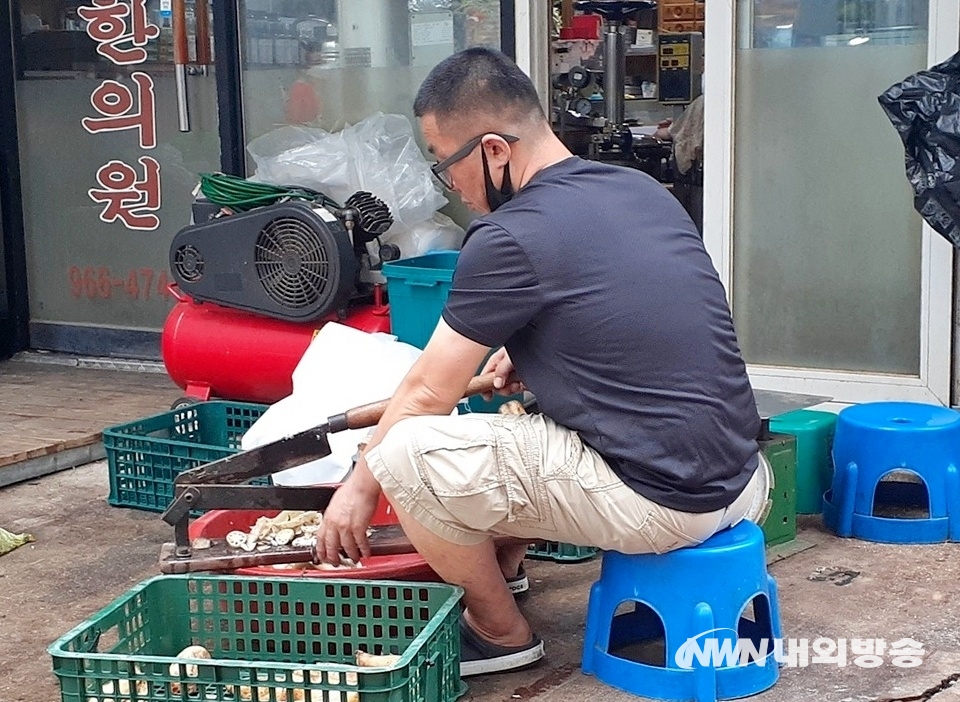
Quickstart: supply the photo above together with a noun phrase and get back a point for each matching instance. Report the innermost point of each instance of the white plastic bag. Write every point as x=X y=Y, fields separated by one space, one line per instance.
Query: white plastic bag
x=342 y=368
x=305 y=157
x=378 y=154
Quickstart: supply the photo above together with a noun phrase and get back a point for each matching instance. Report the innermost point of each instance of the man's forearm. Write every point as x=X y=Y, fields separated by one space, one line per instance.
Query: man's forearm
x=415 y=397
x=433 y=386
x=363 y=479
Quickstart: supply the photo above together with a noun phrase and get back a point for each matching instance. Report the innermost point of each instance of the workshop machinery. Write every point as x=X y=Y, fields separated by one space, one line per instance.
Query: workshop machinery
x=655 y=72
x=259 y=270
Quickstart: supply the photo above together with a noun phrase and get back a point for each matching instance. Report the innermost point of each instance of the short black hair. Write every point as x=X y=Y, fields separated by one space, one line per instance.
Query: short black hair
x=477 y=80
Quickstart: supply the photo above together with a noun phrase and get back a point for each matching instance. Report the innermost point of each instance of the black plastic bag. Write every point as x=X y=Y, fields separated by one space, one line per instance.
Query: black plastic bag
x=925 y=109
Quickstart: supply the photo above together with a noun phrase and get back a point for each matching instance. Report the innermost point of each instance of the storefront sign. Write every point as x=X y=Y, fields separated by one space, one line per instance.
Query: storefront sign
x=115 y=102
x=107 y=25
x=128 y=198
x=121 y=30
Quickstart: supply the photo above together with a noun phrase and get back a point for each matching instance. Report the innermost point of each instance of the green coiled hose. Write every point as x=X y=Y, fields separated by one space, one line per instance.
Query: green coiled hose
x=240 y=195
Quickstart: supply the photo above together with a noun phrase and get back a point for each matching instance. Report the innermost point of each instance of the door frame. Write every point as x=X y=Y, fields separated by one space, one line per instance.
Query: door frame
x=14 y=329
x=226 y=40
x=936 y=326
x=531 y=30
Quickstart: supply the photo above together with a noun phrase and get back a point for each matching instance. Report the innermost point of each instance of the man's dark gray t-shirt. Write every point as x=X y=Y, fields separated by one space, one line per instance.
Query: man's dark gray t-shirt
x=599 y=286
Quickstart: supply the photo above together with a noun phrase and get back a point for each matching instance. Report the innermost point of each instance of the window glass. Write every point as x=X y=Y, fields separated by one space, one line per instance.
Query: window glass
x=107 y=175
x=329 y=63
x=827 y=245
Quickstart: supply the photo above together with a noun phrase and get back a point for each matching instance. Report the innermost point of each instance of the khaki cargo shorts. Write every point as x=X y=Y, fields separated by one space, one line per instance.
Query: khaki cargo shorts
x=466 y=477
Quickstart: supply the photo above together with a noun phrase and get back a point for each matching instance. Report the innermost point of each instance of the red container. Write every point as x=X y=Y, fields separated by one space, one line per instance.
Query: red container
x=582 y=27
x=408 y=566
x=215 y=351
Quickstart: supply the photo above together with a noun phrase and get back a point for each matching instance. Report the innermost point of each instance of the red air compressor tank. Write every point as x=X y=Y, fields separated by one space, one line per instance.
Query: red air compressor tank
x=214 y=351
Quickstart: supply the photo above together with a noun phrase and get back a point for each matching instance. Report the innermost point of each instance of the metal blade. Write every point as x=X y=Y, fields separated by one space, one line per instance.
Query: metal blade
x=289 y=452
x=262 y=497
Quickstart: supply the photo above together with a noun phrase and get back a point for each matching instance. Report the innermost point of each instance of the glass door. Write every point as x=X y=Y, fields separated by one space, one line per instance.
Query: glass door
x=6 y=321
x=121 y=104
x=116 y=115
x=837 y=286
x=331 y=63
x=13 y=307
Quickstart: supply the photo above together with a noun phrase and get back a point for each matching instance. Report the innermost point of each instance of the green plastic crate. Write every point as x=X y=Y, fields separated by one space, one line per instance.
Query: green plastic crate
x=780 y=526
x=276 y=639
x=560 y=552
x=145 y=456
x=814 y=431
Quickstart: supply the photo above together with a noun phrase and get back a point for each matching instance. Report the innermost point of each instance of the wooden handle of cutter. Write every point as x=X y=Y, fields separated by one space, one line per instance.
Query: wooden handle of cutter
x=201 y=11
x=181 y=52
x=368 y=415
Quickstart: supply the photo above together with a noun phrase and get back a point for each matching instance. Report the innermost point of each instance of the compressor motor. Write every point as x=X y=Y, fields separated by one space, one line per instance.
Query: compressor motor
x=298 y=258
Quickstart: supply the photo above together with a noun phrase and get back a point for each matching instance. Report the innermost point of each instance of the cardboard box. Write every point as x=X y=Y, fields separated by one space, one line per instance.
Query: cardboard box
x=674 y=13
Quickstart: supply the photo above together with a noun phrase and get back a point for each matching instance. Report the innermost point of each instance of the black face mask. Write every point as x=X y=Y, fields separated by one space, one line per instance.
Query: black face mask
x=495 y=198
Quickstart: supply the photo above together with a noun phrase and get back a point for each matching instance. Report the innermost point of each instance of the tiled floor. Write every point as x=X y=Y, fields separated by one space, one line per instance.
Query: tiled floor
x=46 y=408
x=87 y=553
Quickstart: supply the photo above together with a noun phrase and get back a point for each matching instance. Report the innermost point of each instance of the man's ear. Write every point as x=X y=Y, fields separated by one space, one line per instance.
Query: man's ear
x=497 y=150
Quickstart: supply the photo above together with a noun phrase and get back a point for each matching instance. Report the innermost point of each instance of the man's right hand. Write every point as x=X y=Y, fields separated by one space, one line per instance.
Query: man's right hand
x=347 y=517
x=506 y=381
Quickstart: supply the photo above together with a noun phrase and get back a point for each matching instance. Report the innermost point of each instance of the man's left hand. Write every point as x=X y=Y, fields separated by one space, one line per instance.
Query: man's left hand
x=347 y=517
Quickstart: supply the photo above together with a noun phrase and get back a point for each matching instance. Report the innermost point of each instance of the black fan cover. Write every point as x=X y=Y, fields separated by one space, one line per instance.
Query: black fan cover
x=291 y=261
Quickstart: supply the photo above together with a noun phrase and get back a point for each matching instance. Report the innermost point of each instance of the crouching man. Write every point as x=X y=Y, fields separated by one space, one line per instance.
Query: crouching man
x=595 y=286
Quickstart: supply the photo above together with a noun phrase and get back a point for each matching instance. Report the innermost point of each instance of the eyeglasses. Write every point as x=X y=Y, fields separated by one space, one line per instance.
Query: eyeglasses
x=439 y=169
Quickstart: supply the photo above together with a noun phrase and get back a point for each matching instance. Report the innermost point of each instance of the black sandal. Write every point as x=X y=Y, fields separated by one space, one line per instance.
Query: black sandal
x=478 y=656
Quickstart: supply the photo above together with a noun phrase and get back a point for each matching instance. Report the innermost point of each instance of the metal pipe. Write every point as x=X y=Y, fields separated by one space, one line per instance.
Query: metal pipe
x=613 y=72
x=183 y=106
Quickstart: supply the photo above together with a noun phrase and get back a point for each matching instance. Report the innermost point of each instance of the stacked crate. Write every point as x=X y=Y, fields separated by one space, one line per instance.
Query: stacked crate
x=680 y=16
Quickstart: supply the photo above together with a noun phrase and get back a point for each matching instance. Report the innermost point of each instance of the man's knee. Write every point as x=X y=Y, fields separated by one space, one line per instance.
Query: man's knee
x=400 y=453
x=398 y=446
x=449 y=457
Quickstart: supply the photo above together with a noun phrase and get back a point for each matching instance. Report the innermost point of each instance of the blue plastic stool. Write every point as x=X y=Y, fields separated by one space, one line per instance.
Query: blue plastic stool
x=877 y=438
x=679 y=596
